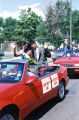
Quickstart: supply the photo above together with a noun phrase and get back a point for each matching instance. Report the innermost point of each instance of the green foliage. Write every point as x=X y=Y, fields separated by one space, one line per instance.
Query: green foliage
x=31 y=61
x=9 y=22
x=42 y=33
x=1 y=28
x=75 y=23
x=1 y=21
x=8 y=30
x=57 y=20
x=27 y=25
x=23 y=29
x=58 y=41
x=66 y=19
x=32 y=27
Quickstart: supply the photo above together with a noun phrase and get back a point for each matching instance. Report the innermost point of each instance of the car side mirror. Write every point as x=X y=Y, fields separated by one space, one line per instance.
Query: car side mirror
x=30 y=80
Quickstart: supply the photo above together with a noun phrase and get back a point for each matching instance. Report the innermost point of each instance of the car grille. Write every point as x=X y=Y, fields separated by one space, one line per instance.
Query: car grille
x=67 y=64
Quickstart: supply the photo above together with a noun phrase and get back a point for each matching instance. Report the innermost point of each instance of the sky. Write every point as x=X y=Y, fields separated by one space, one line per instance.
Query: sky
x=12 y=7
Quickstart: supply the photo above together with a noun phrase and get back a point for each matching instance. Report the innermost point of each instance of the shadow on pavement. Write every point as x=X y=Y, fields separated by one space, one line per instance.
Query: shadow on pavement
x=74 y=76
x=40 y=111
x=66 y=92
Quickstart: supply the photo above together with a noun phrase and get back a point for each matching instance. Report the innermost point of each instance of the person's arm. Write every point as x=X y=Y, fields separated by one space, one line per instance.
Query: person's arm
x=65 y=49
x=16 y=54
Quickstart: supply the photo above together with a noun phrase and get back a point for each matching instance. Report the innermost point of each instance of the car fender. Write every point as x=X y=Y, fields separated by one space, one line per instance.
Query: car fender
x=63 y=75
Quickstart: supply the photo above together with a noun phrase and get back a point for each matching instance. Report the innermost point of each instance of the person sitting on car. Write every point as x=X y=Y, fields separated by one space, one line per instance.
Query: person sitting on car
x=75 y=47
x=68 y=47
x=39 y=57
x=25 y=52
x=38 y=53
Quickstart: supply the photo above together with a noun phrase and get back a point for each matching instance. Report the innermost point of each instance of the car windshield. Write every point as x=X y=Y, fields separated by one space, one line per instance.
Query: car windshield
x=71 y=54
x=60 y=50
x=11 y=72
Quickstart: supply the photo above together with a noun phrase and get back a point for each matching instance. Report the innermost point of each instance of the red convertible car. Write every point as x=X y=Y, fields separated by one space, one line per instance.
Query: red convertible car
x=70 y=60
x=22 y=91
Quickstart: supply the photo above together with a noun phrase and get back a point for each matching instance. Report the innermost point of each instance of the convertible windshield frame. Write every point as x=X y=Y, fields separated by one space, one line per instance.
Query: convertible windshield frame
x=74 y=53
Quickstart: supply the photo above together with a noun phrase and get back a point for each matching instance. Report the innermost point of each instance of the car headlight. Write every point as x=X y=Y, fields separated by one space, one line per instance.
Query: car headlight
x=76 y=65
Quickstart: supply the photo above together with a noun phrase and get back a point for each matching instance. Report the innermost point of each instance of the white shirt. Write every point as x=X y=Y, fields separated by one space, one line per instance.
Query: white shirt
x=36 y=53
x=21 y=52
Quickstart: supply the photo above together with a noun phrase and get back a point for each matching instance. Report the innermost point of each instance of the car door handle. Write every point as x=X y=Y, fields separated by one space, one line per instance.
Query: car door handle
x=29 y=84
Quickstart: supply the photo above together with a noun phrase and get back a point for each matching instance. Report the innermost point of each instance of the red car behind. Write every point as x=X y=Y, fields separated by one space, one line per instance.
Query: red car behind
x=22 y=91
x=70 y=60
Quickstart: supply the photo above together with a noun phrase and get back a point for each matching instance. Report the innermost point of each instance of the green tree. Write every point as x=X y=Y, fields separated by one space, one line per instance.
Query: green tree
x=1 y=22
x=1 y=28
x=42 y=33
x=8 y=31
x=75 y=24
x=57 y=20
x=27 y=25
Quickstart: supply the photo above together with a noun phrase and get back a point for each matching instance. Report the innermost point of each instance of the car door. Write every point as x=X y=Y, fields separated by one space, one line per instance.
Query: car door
x=37 y=93
x=32 y=90
x=54 y=79
x=50 y=82
x=39 y=89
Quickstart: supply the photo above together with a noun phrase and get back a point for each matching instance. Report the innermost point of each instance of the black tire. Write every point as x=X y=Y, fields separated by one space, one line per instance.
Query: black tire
x=7 y=117
x=61 y=91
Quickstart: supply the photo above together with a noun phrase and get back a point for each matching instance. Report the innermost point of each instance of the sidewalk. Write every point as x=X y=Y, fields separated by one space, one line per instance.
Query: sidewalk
x=8 y=55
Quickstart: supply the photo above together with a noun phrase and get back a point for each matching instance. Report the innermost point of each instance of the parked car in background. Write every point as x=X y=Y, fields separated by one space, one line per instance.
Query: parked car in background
x=1 y=53
x=70 y=60
x=21 y=91
x=58 y=54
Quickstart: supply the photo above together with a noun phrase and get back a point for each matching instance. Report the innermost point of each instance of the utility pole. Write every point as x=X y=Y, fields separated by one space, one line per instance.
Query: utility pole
x=71 y=22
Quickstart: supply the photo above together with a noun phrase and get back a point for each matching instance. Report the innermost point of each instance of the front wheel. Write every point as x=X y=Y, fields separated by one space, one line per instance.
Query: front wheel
x=61 y=91
x=7 y=117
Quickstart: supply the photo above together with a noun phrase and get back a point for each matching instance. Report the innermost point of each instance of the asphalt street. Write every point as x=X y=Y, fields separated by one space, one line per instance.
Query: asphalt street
x=68 y=109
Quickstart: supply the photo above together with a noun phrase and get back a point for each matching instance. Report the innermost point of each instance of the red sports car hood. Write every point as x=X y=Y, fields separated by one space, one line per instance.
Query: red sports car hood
x=4 y=87
x=67 y=60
